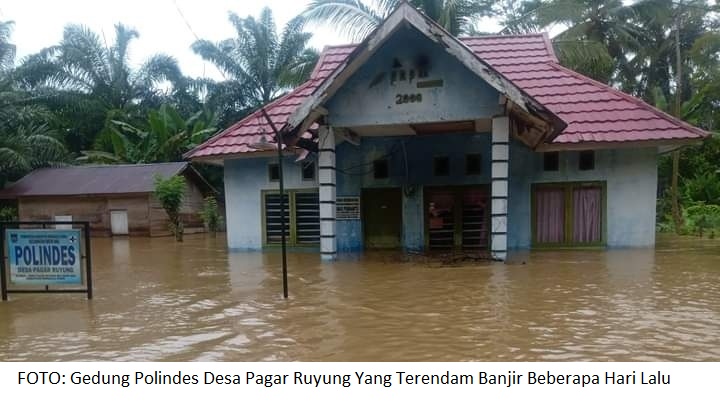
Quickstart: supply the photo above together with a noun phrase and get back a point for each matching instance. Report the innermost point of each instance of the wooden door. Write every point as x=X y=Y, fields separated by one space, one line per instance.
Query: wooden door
x=382 y=217
x=119 y=222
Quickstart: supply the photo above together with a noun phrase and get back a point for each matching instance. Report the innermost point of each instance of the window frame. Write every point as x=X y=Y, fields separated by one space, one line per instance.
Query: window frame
x=568 y=187
x=479 y=162
x=593 y=161
x=545 y=162
x=270 y=170
x=375 y=163
x=314 y=171
x=435 y=166
x=291 y=238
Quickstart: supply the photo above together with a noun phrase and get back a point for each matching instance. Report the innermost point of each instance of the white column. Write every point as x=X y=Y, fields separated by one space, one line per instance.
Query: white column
x=500 y=186
x=327 y=182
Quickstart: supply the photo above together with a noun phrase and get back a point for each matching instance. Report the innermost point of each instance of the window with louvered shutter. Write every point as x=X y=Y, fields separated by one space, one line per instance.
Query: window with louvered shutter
x=273 y=224
x=302 y=218
x=307 y=218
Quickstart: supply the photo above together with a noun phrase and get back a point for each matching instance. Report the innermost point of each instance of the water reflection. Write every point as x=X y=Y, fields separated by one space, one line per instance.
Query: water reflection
x=160 y=300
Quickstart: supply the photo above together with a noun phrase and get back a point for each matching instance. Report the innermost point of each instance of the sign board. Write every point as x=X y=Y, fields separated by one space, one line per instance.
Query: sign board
x=37 y=257
x=347 y=208
x=44 y=257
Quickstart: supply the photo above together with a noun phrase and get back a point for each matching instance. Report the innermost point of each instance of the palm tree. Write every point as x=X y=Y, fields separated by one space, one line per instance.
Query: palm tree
x=258 y=65
x=26 y=141
x=7 y=49
x=87 y=81
x=29 y=147
x=358 y=18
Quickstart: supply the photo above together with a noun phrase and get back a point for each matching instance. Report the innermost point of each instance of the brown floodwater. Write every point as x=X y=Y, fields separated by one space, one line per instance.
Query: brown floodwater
x=157 y=300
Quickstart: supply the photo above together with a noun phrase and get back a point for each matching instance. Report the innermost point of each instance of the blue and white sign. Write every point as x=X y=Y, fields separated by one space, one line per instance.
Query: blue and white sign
x=44 y=257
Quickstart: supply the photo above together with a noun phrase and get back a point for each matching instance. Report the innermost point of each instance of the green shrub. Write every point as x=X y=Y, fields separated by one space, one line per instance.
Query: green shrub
x=170 y=192
x=704 y=187
x=8 y=214
x=701 y=218
x=211 y=215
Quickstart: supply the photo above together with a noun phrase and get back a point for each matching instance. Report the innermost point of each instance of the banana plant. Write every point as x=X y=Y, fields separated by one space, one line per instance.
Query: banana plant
x=163 y=137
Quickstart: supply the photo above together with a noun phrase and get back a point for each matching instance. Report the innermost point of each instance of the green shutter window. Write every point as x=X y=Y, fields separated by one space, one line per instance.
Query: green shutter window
x=307 y=217
x=302 y=218
x=273 y=225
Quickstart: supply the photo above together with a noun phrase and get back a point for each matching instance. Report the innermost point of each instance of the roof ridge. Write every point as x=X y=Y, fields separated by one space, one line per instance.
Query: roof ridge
x=633 y=100
x=111 y=165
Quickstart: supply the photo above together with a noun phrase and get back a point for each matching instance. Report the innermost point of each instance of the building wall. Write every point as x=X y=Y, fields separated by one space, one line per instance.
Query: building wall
x=630 y=175
x=95 y=210
x=631 y=178
x=355 y=173
x=145 y=215
x=448 y=92
x=245 y=179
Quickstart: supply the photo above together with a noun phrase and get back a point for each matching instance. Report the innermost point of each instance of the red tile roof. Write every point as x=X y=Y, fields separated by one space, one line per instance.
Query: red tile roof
x=594 y=112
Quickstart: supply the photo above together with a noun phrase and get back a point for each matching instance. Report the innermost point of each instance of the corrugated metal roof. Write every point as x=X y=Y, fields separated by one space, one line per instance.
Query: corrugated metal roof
x=594 y=112
x=92 y=180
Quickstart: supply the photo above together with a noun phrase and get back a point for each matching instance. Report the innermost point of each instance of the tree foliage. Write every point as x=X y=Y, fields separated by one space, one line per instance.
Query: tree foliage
x=258 y=64
x=163 y=136
x=211 y=215
x=26 y=139
x=170 y=192
x=358 y=18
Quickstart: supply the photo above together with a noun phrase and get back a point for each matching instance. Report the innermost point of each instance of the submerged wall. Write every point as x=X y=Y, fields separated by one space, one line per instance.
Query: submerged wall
x=245 y=179
x=631 y=178
x=354 y=165
x=630 y=175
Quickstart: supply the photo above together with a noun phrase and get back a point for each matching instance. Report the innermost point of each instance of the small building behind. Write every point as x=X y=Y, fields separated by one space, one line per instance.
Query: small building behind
x=117 y=200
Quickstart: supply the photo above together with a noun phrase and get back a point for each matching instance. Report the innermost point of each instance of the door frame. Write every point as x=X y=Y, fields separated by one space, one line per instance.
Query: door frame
x=457 y=190
x=363 y=215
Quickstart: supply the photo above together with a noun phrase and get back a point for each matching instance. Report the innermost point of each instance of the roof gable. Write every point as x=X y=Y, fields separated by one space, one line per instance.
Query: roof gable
x=410 y=85
x=94 y=180
x=541 y=124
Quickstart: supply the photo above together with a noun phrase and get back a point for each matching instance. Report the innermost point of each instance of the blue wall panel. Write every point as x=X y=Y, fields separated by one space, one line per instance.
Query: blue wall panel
x=630 y=174
x=631 y=178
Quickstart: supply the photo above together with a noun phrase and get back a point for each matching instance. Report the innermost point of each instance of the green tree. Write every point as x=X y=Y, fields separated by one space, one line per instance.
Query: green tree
x=211 y=215
x=7 y=49
x=358 y=18
x=258 y=64
x=26 y=140
x=170 y=192
x=163 y=137
x=89 y=83
x=596 y=36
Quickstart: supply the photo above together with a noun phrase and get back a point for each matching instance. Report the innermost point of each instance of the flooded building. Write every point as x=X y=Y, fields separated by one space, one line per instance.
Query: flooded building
x=419 y=140
x=117 y=200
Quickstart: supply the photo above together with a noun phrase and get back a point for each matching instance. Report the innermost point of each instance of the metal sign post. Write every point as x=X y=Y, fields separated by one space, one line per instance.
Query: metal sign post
x=283 y=226
x=42 y=256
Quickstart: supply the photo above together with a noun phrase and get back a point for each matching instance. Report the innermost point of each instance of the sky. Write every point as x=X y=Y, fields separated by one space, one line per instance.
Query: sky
x=161 y=24
x=165 y=26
